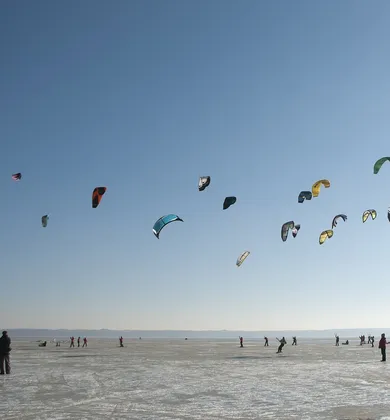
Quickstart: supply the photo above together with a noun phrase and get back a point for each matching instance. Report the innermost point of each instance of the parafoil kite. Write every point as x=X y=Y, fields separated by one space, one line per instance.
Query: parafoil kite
x=44 y=219
x=295 y=230
x=388 y=214
x=163 y=221
x=315 y=189
x=368 y=213
x=17 y=177
x=204 y=182
x=378 y=164
x=228 y=202
x=242 y=258
x=285 y=228
x=325 y=235
x=304 y=195
x=334 y=222
x=97 y=195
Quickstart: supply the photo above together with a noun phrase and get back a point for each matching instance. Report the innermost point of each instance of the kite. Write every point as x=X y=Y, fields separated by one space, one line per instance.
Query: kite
x=163 y=221
x=17 y=177
x=388 y=214
x=228 y=202
x=315 y=189
x=304 y=195
x=285 y=228
x=97 y=195
x=44 y=220
x=204 y=182
x=242 y=258
x=378 y=164
x=295 y=230
x=367 y=213
x=325 y=235
x=334 y=222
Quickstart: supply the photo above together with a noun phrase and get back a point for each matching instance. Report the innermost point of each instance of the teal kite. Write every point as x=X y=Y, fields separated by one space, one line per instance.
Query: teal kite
x=163 y=221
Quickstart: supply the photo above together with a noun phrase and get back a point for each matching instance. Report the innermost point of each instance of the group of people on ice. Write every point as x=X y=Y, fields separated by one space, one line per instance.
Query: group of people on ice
x=282 y=342
x=85 y=342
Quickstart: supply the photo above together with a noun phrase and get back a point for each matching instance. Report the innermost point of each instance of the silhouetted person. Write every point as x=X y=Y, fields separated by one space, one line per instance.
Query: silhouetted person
x=266 y=342
x=71 y=342
x=85 y=344
x=372 y=341
x=294 y=343
x=121 y=341
x=281 y=345
x=78 y=341
x=43 y=344
x=5 y=348
x=241 y=342
x=382 y=346
x=337 y=340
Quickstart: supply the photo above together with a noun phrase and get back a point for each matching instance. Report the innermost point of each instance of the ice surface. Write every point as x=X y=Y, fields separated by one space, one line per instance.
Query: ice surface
x=194 y=379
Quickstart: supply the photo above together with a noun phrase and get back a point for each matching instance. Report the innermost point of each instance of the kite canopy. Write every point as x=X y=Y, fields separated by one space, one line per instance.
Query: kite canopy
x=334 y=222
x=204 y=182
x=325 y=235
x=388 y=214
x=97 y=195
x=285 y=228
x=17 y=177
x=242 y=258
x=295 y=230
x=44 y=220
x=315 y=189
x=368 y=213
x=304 y=195
x=163 y=221
x=228 y=202
x=378 y=164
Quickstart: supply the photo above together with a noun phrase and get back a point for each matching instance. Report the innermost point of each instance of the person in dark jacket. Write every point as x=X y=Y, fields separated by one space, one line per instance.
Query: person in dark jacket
x=282 y=342
x=382 y=346
x=5 y=348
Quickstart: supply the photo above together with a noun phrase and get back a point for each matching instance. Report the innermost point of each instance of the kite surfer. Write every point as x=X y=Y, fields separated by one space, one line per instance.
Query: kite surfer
x=241 y=341
x=281 y=345
x=266 y=341
x=294 y=343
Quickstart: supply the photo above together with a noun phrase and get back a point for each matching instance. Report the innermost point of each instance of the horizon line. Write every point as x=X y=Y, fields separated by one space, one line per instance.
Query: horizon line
x=178 y=330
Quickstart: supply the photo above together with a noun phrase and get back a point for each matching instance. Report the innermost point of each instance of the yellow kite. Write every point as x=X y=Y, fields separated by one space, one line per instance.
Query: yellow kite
x=315 y=189
x=367 y=213
x=325 y=235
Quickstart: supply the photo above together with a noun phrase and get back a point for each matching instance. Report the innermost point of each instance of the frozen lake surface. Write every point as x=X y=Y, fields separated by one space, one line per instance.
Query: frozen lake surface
x=194 y=379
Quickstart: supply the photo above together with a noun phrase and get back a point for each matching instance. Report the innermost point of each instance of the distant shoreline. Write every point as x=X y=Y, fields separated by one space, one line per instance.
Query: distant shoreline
x=194 y=334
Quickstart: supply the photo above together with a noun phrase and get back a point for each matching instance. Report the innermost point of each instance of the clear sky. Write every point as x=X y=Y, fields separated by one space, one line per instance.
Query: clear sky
x=143 y=97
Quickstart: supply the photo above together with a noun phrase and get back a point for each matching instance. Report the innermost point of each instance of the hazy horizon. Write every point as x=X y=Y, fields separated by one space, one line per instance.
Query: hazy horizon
x=192 y=334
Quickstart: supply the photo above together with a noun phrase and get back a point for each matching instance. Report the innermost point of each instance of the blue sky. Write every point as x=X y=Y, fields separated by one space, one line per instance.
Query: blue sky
x=143 y=97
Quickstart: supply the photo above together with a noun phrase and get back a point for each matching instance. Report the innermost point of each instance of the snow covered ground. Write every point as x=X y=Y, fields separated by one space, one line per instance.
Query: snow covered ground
x=194 y=379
